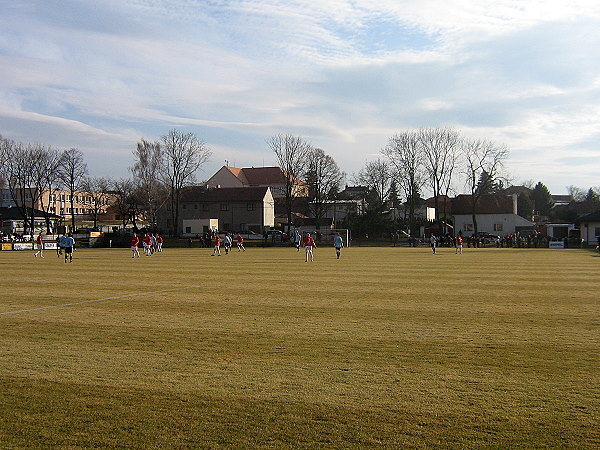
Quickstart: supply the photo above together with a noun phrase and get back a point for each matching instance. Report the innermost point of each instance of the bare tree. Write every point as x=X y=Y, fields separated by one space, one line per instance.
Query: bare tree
x=98 y=189
x=377 y=176
x=576 y=193
x=25 y=168
x=292 y=154
x=324 y=178
x=146 y=173
x=182 y=155
x=124 y=191
x=481 y=156
x=72 y=171
x=404 y=152
x=440 y=148
x=49 y=181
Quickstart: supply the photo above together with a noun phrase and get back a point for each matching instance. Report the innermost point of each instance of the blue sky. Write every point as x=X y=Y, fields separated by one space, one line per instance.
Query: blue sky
x=344 y=74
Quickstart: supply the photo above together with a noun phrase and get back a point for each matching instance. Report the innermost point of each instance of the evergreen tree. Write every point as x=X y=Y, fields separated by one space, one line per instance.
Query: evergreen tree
x=542 y=200
x=524 y=206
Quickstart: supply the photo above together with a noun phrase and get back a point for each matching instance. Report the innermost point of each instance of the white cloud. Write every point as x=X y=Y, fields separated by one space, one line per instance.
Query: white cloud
x=345 y=74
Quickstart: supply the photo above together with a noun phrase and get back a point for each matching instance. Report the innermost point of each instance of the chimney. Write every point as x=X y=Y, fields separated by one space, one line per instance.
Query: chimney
x=515 y=198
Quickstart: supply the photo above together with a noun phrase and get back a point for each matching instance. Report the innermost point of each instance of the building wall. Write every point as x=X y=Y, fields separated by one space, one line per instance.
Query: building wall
x=499 y=224
x=56 y=202
x=224 y=178
x=590 y=232
x=269 y=210
x=232 y=215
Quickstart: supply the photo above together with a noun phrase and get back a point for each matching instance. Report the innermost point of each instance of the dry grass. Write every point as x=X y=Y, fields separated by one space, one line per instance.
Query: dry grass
x=389 y=347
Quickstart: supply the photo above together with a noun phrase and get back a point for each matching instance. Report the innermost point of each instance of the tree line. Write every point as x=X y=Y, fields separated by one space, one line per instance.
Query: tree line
x=411 y=162
x=160 y=171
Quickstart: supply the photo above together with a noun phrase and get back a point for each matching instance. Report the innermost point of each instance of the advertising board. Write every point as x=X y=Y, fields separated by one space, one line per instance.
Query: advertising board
x=23 y=246
x=556 y=244
x=7 y=246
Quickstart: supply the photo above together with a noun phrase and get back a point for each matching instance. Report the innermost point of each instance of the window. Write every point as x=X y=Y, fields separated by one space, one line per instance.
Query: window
x=68 y=210
x=52 y=198
x=205 y=207
x=224 y=207
x=468 y=227
x=195 y=205
x=75 y=198
x=250 y=206
x=68 y=197
x=188 y=230
x=497 y=227
x=62 y=197
x=597 y=231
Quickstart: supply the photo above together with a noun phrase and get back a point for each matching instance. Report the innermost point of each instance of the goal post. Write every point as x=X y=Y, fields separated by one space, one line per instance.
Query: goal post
x=327 y=235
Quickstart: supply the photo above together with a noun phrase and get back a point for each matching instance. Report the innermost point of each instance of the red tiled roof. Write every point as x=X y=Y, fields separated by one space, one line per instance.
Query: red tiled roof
x=269 y=176
x=238 y=173
x=487 y=204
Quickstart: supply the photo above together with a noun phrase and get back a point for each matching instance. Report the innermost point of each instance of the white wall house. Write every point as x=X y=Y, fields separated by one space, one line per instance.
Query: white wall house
x=496 y=214
x=500 y=224
x=589 y=226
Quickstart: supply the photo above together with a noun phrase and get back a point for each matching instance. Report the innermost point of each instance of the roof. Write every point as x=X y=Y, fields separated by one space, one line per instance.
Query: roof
x=260 y=176
x=238 y=173
x=518 y=190
x=591 y=217
x=562 y=198
x=264 y=176
x=14 y=213
x=240 y=194
x=487 y=204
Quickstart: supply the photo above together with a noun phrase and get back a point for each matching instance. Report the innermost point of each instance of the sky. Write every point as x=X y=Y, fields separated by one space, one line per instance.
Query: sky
x=344 y=74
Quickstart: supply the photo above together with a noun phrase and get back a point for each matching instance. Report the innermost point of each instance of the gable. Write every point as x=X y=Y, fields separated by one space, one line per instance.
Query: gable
x=226 y=177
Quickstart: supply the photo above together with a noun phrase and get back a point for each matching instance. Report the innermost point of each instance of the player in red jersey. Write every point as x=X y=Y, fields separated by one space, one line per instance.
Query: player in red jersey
x=240 y=243
x=147 y=241
x=40 y=246
x=135 y=241
x=459 y=244
x=309 y=243
x=217 y=250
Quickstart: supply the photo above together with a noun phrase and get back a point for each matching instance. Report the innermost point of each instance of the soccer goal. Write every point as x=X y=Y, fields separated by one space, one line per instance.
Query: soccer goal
x=327 y=235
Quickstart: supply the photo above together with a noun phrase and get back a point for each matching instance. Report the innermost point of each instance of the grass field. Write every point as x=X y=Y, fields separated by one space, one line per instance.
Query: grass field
x=386 y=347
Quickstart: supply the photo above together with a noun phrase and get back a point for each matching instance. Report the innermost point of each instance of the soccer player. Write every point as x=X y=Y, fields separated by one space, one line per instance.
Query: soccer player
x=217 y=249
x=40 y=246
x=433 y=241
x=159 y=243
x=152 y=243
x=459 y=244
x=338 y=243
x=68 y=244
x=147 y=241
x=58 y=246
x=240 y=243
x=297 y=239
x=227 y=243
x=135 y=241
x=309 y=243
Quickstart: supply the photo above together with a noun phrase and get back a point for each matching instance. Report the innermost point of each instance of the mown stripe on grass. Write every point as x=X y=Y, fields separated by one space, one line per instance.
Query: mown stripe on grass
x=64 y=305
